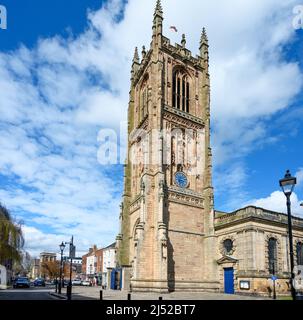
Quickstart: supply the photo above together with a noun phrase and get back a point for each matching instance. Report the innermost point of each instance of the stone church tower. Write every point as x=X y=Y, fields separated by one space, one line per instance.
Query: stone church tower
x=167 y=240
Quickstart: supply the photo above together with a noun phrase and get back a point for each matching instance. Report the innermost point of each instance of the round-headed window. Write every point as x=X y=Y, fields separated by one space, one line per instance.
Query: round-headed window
x=228 y=246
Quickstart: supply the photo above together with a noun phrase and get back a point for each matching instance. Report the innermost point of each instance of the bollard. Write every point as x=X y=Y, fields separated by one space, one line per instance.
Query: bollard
x=101 y=295
x=129 y=296
x=160 y=298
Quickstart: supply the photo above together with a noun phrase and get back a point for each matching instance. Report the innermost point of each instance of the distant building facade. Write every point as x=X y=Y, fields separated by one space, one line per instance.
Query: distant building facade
x=83 y=267
x=109 y=263
x=35 y=269
x=44 y=258
x=76 y=267
x=92 y=265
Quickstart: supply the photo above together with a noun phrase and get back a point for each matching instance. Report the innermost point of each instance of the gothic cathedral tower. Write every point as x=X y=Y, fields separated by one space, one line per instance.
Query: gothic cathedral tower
x=166 y=240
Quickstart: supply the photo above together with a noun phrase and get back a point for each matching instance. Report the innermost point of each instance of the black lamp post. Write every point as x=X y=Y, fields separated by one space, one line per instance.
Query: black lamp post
x=287 y=184
x=62 y=246
x=71 y=253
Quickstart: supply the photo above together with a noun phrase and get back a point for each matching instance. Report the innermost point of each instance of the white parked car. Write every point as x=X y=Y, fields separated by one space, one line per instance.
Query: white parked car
x=86 y=283
x=76 y=282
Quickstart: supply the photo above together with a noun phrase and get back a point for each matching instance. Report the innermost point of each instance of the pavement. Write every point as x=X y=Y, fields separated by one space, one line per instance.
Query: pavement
x=93 y=293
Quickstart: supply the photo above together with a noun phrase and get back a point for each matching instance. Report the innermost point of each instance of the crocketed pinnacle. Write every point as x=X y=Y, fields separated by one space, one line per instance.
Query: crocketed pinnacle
x=204 y=39
x=158 y=10
x=136 y=56
x=143 y=52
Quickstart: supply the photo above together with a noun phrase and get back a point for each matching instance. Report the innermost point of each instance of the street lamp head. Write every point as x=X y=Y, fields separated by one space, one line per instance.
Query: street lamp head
x=288 y=183
x=62 y=246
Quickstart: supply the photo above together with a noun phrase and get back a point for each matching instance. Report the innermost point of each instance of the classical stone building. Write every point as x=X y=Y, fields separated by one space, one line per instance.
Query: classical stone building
x=45 y=257
x=253 y=245
x=170 y=236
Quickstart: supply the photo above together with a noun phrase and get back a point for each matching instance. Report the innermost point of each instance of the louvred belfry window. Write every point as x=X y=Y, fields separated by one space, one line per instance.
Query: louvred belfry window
x=181 y=91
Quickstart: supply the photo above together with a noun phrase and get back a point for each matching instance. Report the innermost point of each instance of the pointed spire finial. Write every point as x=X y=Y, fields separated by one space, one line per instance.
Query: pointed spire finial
x=204 y=39
x=183 y=42
x=143 y=52
x=136 y=63
x=159 y=10
x=136 y=55
x=158 y=24
x=204 y=45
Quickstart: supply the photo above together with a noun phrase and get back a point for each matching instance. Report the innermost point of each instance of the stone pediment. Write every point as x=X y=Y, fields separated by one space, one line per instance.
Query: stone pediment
x=227 y=259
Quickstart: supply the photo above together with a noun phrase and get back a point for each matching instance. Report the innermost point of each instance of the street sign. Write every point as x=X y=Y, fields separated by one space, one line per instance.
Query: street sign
x=274 y=278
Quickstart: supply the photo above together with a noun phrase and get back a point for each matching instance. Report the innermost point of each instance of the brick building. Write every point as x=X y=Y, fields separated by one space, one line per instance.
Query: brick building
x=92 y=263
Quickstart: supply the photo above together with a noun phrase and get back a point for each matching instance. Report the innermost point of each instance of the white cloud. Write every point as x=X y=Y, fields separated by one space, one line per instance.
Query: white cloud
x=36 y=240
x=56 y=96
x=277 y=202
x=299 y=176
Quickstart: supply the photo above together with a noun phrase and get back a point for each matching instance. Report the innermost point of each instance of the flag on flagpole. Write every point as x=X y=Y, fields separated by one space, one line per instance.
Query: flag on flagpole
x=173 y=28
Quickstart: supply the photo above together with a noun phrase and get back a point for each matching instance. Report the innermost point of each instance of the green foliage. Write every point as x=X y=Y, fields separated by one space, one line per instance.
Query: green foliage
x=11 y=238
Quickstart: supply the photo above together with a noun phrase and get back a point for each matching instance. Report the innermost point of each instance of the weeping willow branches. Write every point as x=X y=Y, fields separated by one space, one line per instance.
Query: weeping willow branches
x=11 y=238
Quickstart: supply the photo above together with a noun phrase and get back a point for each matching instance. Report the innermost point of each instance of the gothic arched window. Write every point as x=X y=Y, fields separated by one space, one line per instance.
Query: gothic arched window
x=272 y=256
x=181 y=91
x=299 y=254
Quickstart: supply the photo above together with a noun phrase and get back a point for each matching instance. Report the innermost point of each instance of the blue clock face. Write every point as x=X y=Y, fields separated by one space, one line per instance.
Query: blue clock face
x=181 y=180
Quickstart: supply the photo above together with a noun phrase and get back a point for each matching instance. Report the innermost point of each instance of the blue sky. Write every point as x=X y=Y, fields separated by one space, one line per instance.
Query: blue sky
x=64 y=75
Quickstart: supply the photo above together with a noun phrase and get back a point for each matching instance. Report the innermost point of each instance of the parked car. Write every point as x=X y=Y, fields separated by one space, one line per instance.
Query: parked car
x=22 y=282
x=86 y=283
x=39 y=282
x=76 y=282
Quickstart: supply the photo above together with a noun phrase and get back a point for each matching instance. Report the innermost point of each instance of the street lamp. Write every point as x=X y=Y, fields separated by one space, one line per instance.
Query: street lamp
x=287 y=184
x=62 y=246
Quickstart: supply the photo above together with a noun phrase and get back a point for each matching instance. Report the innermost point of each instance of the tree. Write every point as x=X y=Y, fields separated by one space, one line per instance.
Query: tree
x=50 y=269
x=11 y=238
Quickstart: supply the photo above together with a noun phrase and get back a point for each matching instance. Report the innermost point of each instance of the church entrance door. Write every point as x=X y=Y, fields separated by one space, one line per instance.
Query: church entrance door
x=229 y=281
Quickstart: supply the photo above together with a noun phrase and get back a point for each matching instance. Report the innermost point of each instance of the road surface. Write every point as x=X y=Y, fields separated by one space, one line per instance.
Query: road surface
x=27 y=294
